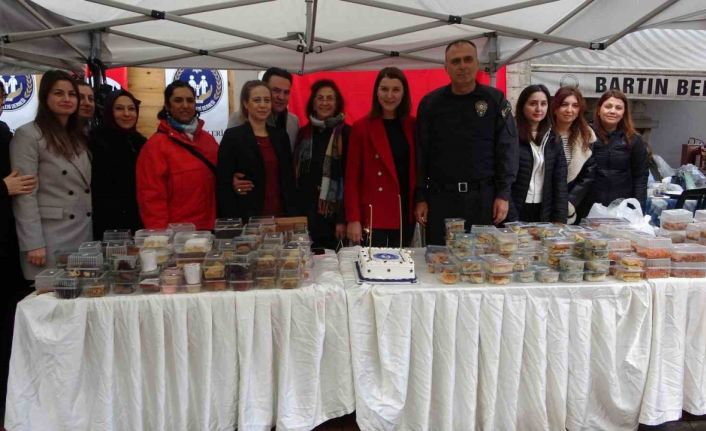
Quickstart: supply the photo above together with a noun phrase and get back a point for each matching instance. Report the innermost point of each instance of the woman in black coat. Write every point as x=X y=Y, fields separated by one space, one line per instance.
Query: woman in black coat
x=115 y=146
x=319 y=161
x=577 y=139
x=539 y=191
x=254 y=171
x=619 y=152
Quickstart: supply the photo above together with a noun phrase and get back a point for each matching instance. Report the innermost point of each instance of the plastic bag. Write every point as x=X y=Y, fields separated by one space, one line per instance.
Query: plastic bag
x=418 y=240
x=629 y=209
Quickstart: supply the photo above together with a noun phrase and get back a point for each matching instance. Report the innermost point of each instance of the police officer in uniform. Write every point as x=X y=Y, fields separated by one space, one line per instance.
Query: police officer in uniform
x=467 y=150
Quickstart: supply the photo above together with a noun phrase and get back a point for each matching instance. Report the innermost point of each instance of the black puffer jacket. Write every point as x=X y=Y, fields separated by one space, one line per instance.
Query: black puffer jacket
x=621 y=169
x=554 y=194
x=114 y=158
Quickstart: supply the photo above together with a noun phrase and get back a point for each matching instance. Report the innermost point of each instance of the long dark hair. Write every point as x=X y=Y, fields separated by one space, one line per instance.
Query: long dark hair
x=579 y=127
x=66 y=141
x=523 y=128
x=248 y=87
x=109 y=118
x=405 y=106
x=318 y=85
x=163 y=114
x=625 y=125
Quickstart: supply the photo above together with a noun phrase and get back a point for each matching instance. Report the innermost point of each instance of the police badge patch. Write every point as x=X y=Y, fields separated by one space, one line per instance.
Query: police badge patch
x=481 y=108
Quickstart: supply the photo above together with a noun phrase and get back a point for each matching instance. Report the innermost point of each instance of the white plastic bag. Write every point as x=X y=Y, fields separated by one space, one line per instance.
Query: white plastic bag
x=621 y=208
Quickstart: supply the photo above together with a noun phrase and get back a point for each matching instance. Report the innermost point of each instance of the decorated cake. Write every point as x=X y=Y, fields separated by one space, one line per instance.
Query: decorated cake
x=385 y=264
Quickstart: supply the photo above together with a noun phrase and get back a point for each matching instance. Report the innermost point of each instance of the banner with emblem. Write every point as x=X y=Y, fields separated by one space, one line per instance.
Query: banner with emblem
x=20 y=105
x=211 y=87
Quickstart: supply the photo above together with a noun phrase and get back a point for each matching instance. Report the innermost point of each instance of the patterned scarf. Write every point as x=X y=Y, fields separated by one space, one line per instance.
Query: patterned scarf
x=331 y=188
x=188 y=128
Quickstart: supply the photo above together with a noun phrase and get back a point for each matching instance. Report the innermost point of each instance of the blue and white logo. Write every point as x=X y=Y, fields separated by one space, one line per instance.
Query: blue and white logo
x=386 y=256
x=19 y=90
x=207 y=84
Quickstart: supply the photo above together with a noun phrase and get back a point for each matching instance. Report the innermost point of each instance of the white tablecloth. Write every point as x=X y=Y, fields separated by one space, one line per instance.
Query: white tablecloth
x=676 y=379
x=516 y=357
x=208 y=361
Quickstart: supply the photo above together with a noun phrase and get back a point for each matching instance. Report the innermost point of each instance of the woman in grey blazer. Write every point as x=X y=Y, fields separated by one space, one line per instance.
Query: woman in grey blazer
x=57 y=214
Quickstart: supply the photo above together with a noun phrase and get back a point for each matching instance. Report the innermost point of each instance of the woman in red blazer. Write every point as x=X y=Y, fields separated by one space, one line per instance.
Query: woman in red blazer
x=380 y=169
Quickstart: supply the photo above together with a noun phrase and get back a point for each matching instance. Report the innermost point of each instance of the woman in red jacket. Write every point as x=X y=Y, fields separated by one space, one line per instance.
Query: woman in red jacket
x=381 y=165
x=176 y=169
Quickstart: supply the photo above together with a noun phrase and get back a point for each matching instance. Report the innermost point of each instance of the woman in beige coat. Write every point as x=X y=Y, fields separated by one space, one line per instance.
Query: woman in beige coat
x=57 y=214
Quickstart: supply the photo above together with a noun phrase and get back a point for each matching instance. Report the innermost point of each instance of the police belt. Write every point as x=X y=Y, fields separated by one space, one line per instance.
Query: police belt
x=459 y=187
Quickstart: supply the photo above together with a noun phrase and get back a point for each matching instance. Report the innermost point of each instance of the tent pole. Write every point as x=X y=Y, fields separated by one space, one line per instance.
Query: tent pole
x=48 y=25
x=196 y=23
x=493 y=57
x=186 y=48
x=190 y=54
x=30 y=35
x=475 y=23
x=551 y=29
x=41 y=59
x=444 y=20
x=653 y=13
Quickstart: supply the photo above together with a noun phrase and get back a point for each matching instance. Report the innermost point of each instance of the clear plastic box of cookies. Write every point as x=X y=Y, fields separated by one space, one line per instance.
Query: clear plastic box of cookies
x=677 y=219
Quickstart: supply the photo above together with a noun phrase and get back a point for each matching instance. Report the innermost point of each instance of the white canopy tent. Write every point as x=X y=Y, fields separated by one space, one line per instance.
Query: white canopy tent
x=666 y=64
x=312 y=35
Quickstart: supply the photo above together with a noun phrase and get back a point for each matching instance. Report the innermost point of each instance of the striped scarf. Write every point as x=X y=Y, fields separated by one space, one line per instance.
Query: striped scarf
x=331 y=187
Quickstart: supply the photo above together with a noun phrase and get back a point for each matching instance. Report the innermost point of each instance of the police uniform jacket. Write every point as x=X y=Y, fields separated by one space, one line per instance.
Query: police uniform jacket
x=57 y=214
x=371 y=176
x=621 y=169
x=466 y=138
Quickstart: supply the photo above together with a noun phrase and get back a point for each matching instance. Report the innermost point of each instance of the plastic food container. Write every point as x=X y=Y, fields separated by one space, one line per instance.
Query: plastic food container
x=571 y=264
x=700 y=215
x=526 y=276
x=677 y=236
x=499 y=278
x=289 y=279
x=571 y=276
x=688 y=253
x=214 y=271
x=484 y=233
x=519 y=227
x=115 y=248
x=265 y=279
x=227 y=231
x=675 y=219
x=454 y=225
x=657 y=268
x=261 y=220
x=44 y=281
x=91 y=247
x=117 y=235
x=194 y=242
x=171 y=280
x=695 y=231
x=244 y=244
x=124 y=282
x=630 y=275
x=599 y=265
x=595 y=275
x=149 y=282
x=505 y=241
x=688 y=269
x=477 y=277
x=653 y=248
x=95 y=287
x=153 y=238
x=448 y=272
x=124 y=263
x=471 y=264
x=547 y=275
x=521 y=261
x=84 y=264
x=67 y=287
x=632 y=262
x=61 y=257
x=225 y=246
x=273 y=238
x=494 y=264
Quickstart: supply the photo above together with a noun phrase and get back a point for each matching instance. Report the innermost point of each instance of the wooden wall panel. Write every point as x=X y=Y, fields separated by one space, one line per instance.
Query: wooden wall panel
x=148 y=86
